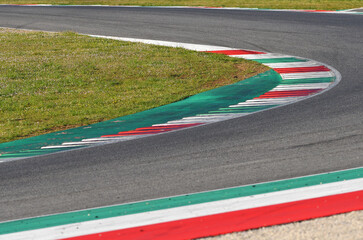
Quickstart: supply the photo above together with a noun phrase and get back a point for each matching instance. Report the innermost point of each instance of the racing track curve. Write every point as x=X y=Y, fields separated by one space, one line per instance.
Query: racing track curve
x=317 y=135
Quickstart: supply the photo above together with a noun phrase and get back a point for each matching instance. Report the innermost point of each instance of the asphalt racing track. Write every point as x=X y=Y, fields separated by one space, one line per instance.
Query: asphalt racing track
x=321 y=134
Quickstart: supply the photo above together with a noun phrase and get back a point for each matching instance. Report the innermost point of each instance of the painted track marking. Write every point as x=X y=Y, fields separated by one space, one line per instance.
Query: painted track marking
x=299 y=70
x=301 y=197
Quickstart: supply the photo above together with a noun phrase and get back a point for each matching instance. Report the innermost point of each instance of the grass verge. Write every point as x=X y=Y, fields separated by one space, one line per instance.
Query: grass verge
x=275 y=4
x=56 y=81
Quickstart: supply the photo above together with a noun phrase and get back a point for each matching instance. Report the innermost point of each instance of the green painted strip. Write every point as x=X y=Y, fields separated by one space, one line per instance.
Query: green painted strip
x=34 y=152
x=178 y=201
x=308 y=80
x=197 y=104
x=280 y=60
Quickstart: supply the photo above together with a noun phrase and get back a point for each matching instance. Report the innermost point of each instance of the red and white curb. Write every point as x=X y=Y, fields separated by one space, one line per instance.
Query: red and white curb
x=307 y=77
x=347 y=11
x=213 y=217
x=301 y=79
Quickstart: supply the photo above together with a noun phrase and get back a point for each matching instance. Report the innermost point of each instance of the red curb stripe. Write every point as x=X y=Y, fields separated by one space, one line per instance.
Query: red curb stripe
x=239 y=220
x=317 y=11
x=125 y=134
x=140 y=131
x=152 y=130
x=295 y=93
x=134 y=133
x=155 y=128
x=180 y=125
x=302 y=69
x=236 y=52
x=166 y=127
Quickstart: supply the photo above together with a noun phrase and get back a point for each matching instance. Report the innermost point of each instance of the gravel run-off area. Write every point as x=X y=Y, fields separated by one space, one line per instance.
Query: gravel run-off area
x=346 y=226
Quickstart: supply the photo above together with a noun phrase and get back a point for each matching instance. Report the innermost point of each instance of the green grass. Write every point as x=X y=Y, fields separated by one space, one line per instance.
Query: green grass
x=55 y=81
x=277 y=4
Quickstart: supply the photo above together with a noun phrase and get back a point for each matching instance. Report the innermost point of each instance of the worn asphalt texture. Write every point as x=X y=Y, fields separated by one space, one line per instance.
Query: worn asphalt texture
x=321 y=134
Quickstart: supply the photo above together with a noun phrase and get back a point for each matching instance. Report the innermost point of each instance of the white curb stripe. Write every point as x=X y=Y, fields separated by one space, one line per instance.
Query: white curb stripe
x=186 y=212
x=300 y=86
x=232 y=115
x=253 y=104
x=293 y=64
x=261 y=56
x=272 y=100
x=163 y=124
x=267 y=101
x=189 y=46
x=77 y=143
x=97 y=141
x=191 y=121
x=207 y=118
x=306 y=75
x=107 y=139
x=59 y=146
x=102 y=139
